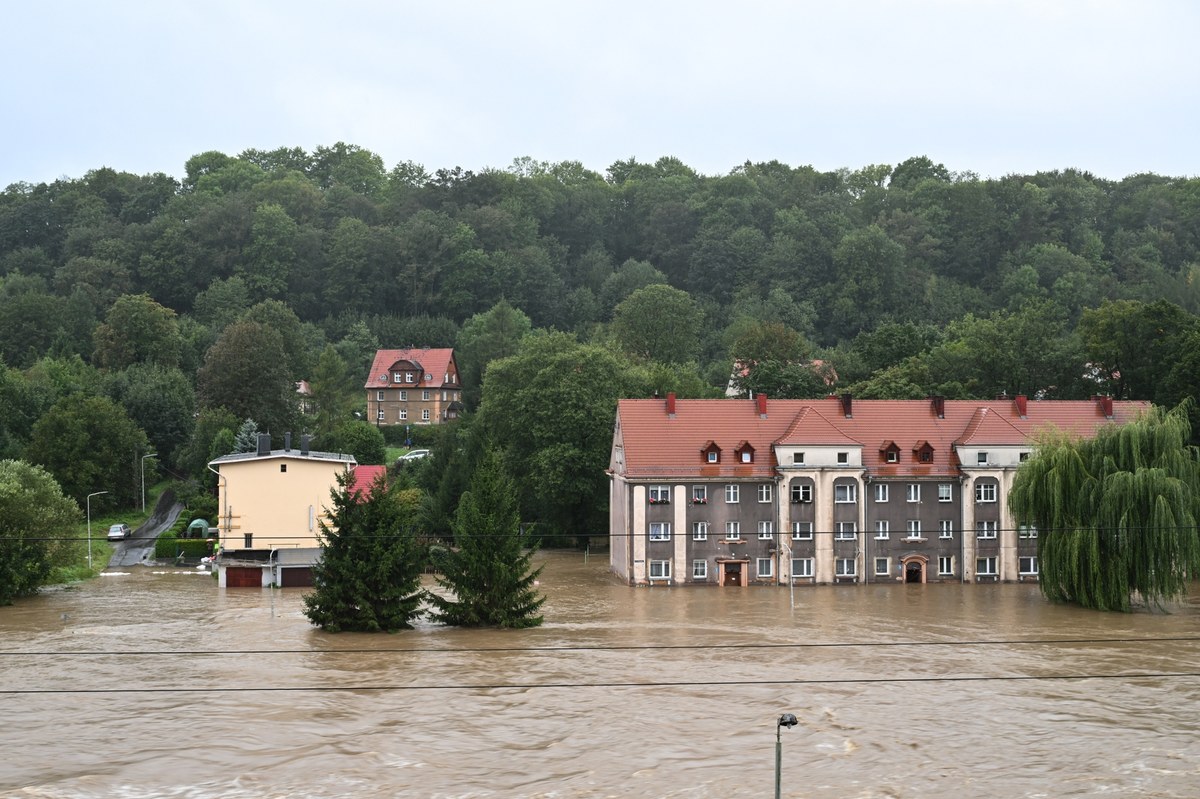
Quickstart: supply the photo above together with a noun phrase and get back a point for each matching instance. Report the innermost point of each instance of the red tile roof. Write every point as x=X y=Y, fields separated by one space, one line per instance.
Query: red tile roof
x=363 y=477
x=658 y=446
x=435 y=364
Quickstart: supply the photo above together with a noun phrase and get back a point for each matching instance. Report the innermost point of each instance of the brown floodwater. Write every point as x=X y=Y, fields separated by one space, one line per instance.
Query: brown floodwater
x=155 y=683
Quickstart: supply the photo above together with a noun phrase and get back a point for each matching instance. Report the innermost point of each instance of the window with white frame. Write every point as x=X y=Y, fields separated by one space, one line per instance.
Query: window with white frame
x=425 y=415
x=881 y=567
x=732 y=493
x=1026 y=531
x=845 y=531
x=660 y=570
x=843 y=458
x=985 y=567
x=845 y=567
x=945 y=565
x=403 y=396
x=699 y=569
x=766 y=530
x=379 y=396
x=892 y=456
x=881 y=529
x=981 y=458
x=946 y=528
x=802 y=492
x=913 y=492
x=802 y=567
x=765 y=567
x=798 y=458
x=379 y=414
x=801 y=531
x=764 y=492
x=660 y=494
x=881 y=492
x=733 y=530
x=985 y=492
x=1027 y=564
x=425 y=394
x=913 y=527
x=945 y=492
x=409 y=377
x=397 y=377
x=985 y=529
x=660 y=531
x=845 y=492
x=700 y=495
x=711 y=456
x=699 y=531
x=403 y=414
x=747 y=456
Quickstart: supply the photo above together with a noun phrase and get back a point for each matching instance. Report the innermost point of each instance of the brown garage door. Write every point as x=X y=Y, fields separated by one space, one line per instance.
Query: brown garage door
x=243 y=577
x=296 y=577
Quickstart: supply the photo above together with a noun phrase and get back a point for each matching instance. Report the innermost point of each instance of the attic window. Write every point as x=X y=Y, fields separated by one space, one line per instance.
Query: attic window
x=712 y=456
x=891 y=456
x=282 y=467
x=747 y=456
x=923 y=451
x=745 y=452
x=710 y=452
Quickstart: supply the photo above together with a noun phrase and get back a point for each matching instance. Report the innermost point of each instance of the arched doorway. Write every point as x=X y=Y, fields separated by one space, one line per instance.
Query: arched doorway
x=914 y=568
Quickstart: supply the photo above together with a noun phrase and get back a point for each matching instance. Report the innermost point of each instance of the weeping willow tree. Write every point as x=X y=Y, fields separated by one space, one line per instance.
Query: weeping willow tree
x=1116 y=513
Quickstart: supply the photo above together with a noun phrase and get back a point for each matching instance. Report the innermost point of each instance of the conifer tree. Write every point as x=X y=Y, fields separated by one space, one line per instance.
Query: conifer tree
x=1116 y=514
x=369 y=575
x=488 y=569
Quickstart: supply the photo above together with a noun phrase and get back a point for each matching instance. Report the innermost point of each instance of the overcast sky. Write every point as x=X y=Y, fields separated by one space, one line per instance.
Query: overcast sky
x=987 y=86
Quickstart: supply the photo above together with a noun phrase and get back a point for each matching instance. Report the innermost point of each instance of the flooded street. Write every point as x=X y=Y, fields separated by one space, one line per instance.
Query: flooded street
x=155 y=683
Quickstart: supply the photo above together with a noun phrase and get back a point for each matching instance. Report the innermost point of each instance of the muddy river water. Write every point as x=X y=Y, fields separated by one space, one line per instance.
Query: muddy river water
x=155 y=683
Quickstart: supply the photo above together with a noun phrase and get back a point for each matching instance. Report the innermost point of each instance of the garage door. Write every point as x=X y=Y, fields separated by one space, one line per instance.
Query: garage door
x=296 y=577
x=243 y=577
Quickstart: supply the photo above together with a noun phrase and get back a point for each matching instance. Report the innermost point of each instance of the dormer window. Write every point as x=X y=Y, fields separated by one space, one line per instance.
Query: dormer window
x=890 y=452
x=409 y=377
x=710 y=452
x=744 y=452
x=923 y=451
x=713 y=457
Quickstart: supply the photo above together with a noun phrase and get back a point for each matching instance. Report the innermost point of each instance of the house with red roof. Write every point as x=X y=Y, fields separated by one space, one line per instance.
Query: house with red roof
x=413 y=386
x=735 y=492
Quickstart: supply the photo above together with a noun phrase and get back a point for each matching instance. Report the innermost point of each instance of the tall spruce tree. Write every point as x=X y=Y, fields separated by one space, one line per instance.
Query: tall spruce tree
x=1116 y=514
x=488 y=569
x=369 y=575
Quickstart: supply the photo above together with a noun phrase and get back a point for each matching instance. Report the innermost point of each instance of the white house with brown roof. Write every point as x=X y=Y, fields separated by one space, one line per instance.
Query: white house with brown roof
x=739 y=492
x=413 y=386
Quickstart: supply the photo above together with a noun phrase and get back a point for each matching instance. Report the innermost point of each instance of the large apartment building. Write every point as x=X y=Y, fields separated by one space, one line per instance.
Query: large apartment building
x=757 y=491
x=413 y=386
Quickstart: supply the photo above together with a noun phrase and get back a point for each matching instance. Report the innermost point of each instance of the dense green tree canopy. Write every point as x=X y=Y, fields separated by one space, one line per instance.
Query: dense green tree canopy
x=35 y=522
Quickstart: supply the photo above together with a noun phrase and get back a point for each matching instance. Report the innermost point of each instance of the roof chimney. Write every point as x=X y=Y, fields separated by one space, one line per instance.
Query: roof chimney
x=1106 y=406
x=671 y=404
x=847 y=405
x=1021 y=403
x=938 y=402
x=762 y=405
x=264 y=444
x=305 y=441
x=287 y=442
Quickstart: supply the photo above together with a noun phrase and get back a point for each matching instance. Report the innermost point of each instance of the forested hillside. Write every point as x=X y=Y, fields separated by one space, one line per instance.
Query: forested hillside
x=190 y=305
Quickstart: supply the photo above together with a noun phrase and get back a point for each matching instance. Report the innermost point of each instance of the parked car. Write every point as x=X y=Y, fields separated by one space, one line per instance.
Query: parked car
x=119 y=532
x=413 y=455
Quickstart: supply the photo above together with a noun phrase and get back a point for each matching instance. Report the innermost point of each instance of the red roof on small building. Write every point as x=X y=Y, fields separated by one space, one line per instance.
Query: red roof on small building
x=437 y=367
x=363 y=477
x=658 y=445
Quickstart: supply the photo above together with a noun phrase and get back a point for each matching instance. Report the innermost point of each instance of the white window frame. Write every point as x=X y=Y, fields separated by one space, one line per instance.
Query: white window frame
x=699 y=495
x=659 y=531
x=699 y=531
x=403 y=396
x=1027 y=531
x=988 y=563
x=379 y=396
x=845 y=493
x=882 y=530
x=891 y=456
x=659 y=494
x=410 y=377
x=403 y=414
x=945 y=566
x=843 y=458
x=981 y=458
x=845 y=567
x=766 y=531
x=845 y=531
x=985 y=492
x=881 y=492
x=802 y=567
x=733 y=493
x=425 y=415
x=912 y=493
x=985 y=529
x=1027 y=565
x=733 y=531
x=379 y=414
x=913 y=529
x=945 y=492
x=397 y=377
x=802 y=493
x=945 y=529
x=798 y=458
x=425 y=394
x=711 y=456
x=699 y=569
x=764 y=567
x=764 y=492
x=747 y=456
x=887 y=567
x=802 y=531
x=662 y=567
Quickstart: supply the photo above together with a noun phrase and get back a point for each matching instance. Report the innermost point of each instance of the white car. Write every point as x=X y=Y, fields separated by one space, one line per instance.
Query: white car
x=119 y=532
x=413 y=455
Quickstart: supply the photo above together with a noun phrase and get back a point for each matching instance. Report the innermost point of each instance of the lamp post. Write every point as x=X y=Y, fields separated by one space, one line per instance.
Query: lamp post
x=786 y=720
x=89 y=515
x=151 y=455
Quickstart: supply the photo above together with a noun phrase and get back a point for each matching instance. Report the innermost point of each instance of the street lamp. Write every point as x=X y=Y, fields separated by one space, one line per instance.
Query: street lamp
x=786 y=720
x=151 y=455
x=89 y=514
